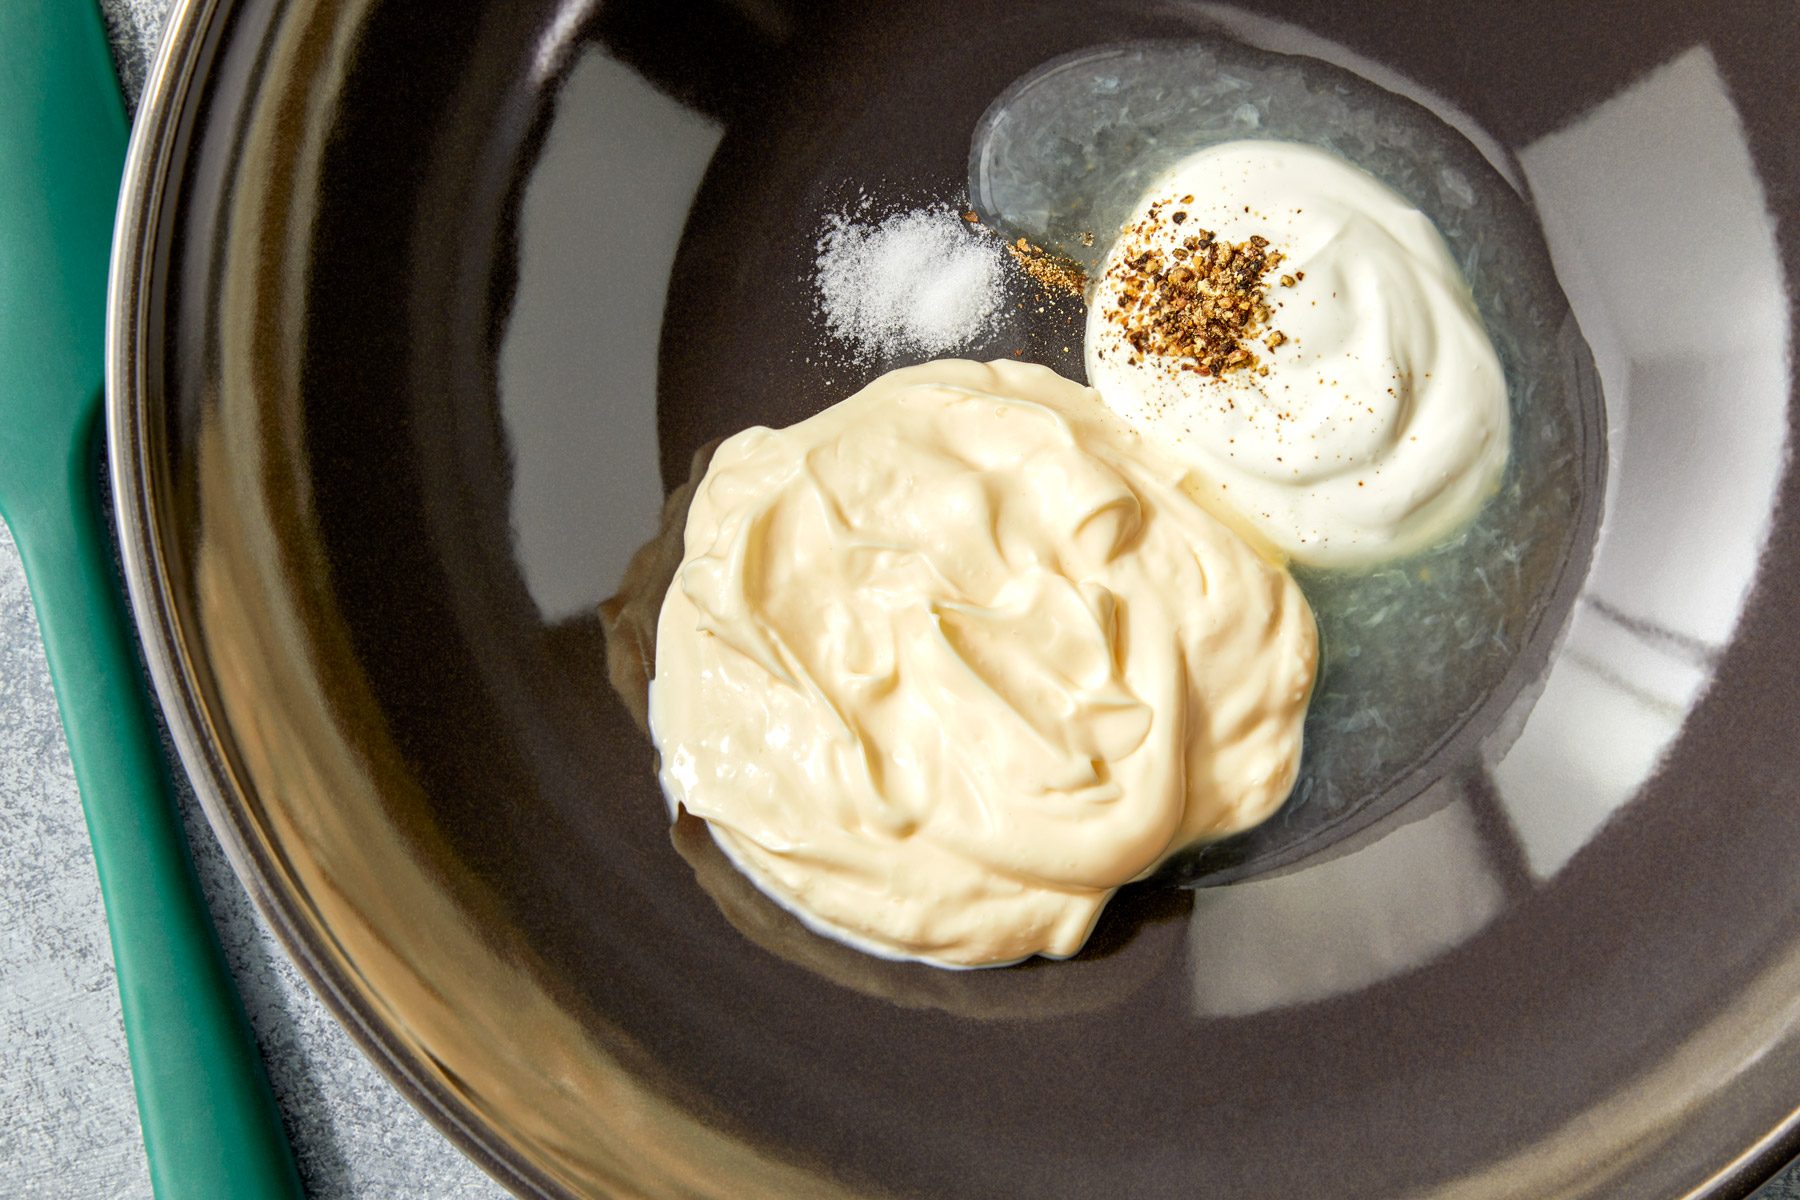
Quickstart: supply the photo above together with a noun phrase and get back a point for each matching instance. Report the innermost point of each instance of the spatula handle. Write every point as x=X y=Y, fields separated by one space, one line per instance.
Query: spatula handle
x=211 y=1128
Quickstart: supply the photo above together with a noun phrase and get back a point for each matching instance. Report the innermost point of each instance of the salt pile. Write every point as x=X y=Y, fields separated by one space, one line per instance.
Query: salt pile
x=922 y=282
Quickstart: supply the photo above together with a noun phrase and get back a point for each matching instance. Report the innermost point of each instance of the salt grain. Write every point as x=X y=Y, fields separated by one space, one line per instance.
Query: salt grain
x=921 y=282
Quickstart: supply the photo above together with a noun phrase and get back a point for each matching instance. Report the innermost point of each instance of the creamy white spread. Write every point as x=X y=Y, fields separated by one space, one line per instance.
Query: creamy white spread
x=1382 y=423
x=949 y=662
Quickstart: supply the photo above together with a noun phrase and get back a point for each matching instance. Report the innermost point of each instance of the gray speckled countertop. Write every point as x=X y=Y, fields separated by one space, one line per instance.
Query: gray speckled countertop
x=70 y=1127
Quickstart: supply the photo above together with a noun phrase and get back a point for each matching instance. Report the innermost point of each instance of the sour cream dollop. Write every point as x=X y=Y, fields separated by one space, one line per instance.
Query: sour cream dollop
x=1382 y=423
x=946 y=664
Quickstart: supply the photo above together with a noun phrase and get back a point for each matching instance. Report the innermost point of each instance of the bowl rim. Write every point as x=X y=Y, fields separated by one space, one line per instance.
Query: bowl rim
x=150 y=167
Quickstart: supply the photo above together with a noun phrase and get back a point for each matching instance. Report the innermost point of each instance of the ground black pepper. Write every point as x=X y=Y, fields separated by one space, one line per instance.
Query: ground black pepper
x=1202 y=301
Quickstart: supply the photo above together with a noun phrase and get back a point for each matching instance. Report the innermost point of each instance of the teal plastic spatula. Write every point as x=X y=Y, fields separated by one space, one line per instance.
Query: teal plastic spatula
x=210 y=1124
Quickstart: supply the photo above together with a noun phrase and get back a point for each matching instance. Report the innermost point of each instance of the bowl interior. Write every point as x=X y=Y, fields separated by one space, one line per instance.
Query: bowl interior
x=424 y=319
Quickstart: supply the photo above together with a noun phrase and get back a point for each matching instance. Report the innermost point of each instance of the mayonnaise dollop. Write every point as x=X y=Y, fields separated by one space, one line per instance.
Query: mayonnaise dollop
x=1382 y=423
x=949 y=662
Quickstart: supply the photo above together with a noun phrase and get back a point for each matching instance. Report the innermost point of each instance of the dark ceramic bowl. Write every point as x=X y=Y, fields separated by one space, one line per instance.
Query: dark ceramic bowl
x=419 y=312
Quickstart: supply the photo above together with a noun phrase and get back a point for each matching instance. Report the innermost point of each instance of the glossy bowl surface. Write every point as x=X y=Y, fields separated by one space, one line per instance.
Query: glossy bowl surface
x=418 y=315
